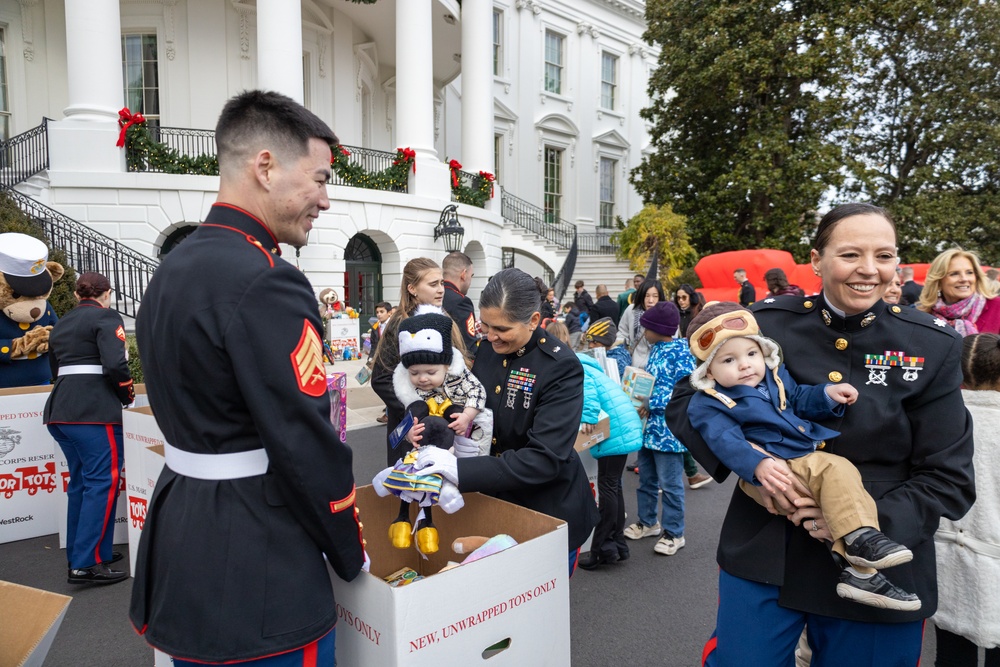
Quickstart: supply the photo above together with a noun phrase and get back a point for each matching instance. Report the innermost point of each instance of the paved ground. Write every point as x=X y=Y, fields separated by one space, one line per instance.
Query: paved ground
x=650 y=610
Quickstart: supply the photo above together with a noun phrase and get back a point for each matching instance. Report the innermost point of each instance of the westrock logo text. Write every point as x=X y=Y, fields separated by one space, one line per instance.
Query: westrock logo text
x=9 y=439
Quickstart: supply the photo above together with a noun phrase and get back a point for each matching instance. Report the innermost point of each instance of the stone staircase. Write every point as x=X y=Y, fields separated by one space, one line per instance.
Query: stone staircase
x=597 y=269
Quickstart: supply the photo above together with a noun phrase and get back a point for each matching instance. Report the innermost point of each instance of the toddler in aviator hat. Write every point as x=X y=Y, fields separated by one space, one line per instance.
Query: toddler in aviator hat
x=747 y=396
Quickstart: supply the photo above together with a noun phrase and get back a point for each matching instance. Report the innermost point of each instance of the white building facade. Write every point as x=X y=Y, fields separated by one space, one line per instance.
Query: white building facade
x=543 y=93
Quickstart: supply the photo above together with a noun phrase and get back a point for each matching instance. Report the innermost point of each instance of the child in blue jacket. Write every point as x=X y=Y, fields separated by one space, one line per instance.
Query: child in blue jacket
x=601 y=393
x=661 y=459
x=752 y=414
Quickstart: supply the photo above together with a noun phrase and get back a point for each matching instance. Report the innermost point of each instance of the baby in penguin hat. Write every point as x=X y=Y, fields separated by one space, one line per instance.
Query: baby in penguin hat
x=433 y=380
x=746 y=396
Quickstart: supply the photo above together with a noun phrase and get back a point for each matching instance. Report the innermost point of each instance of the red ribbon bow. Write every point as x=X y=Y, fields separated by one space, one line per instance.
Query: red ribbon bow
x=489 y=178
x=127 y=119
x=410 y=155
x=454 y=165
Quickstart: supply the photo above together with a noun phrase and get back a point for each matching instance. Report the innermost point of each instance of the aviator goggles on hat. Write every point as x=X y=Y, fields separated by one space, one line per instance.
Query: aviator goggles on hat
x=732 y=324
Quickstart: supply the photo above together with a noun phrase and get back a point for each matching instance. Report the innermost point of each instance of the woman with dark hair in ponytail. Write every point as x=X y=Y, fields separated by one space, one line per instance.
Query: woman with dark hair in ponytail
x=534 y=386
x=84 y=415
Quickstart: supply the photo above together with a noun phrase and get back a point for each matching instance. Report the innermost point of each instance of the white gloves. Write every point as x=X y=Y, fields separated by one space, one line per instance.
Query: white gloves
x=450 y=499
x=378 y=482
x=437 y=461
x=465 y=447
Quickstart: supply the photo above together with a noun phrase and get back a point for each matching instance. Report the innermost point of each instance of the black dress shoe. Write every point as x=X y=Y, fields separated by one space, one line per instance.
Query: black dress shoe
x=593 y=559
x=623 y=554
x=96 y=574
x=115 y=557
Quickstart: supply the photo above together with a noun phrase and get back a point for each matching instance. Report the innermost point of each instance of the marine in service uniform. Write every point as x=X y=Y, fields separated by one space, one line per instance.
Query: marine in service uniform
x=461 y=310
x=908 y=434
x=84 y=415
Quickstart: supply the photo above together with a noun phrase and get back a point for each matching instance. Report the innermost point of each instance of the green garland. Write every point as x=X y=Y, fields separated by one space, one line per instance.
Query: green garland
x=477 y=193
x=393 y=177
x=142 y=153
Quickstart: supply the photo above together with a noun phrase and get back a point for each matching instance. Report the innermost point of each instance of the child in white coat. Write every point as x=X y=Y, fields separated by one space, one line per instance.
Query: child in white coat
x=968 y=550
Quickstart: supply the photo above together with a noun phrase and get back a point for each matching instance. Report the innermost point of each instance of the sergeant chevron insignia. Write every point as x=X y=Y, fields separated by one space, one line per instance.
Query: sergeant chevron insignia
x=307 y=362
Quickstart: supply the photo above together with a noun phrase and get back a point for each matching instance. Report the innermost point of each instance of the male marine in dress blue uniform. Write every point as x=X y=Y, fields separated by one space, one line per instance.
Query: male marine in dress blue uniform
x=257 y=493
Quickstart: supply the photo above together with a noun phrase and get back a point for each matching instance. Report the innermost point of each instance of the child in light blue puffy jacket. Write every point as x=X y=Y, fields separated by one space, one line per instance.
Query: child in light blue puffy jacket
x=601 y=393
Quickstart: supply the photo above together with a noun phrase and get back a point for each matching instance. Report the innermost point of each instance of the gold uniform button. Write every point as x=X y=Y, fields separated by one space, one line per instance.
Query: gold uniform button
x=821 y=444
x=494 y=441
x=497 y=390
x=808 y=304
x=505 y=363
x=896 y=309
x=541 y=340
x=802 y=428
x=841 y=344
x=835 y=376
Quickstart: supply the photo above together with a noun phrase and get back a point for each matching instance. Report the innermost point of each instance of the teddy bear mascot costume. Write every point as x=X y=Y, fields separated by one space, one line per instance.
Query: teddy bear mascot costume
x=26 y=278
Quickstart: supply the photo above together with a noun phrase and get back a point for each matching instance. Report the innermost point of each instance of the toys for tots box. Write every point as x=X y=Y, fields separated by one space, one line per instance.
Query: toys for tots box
x=511 y=607
x=28 y=474
x=143 y=463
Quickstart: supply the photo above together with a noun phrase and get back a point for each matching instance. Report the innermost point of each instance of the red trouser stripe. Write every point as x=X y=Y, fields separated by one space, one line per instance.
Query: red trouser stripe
x=309 y=655
x=707 y=651
x=112 y=491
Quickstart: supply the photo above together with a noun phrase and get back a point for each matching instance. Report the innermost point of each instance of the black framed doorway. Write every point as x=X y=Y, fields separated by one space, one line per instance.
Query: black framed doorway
x=363 y=275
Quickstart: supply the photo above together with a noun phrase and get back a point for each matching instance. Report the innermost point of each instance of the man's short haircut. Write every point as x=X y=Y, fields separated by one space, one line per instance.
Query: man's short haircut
x=739 y=271
x=384 y=305
x=907 y=271
x=454 y=263
x=579 y=283
x=256 y=120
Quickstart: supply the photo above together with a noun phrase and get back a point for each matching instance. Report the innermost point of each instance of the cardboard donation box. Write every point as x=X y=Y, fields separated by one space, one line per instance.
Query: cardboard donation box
x=28 y=475
x=638 y=384
x=31 y=624
x=601 y=432
x=143 y=463
x=511 y=607
x=336 y=383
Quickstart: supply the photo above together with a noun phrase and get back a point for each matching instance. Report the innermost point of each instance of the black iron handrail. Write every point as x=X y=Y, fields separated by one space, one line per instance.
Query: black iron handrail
x=597 y=244
x=24 y=155
x=561 y=282
x=533 y=218
x=88 y=250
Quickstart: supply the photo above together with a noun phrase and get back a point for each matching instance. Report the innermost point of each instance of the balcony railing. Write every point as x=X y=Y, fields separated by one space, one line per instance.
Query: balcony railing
x=88 y=250
x=597 y=244
x=190 y=143
x=24 y=155
x=372 y=162
x=533 y=218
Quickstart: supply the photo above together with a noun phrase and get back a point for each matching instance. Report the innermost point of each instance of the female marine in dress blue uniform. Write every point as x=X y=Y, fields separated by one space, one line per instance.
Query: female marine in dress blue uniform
x=84 y=415
x=908 y=434
x=534 y=386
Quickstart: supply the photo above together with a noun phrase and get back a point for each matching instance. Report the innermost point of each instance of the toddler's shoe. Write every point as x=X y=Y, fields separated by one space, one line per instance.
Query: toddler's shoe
x=638 y=530
x=873 y=549
x=876 y=591
x=668 y=546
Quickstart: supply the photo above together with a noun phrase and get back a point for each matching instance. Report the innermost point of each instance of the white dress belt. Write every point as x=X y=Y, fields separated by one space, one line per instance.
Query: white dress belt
x=81 y=369
x=216 y=466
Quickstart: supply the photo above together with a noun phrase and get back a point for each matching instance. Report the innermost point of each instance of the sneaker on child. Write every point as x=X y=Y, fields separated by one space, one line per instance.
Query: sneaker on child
x=875 y=591
x=668 y=546
x=638 y=530
x=873 y=549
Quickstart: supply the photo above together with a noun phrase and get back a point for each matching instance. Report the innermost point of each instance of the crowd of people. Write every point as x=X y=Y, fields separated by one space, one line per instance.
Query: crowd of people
x=847 y=416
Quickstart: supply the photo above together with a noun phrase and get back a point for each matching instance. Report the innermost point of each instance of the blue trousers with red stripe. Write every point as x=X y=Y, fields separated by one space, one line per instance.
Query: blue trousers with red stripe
x=753 y=631
x=94 y=455
x=321 y=653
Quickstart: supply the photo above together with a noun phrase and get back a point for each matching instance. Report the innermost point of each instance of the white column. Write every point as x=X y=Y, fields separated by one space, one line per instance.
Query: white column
x=415 y=97
x=279 y=47
x=85 y=141
x=477 y=86
x=94 y=59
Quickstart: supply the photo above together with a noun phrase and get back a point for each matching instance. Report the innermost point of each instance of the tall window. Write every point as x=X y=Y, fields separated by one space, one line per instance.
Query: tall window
x=141 y=75
x=553 y=184
x=497 y=154
x=607 y=178
x=553 y=62
x=497 y=42
x=609 y=80
x=4 y=101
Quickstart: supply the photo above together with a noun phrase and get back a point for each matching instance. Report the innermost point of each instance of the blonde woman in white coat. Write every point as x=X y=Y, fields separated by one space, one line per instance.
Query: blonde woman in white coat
x=968 y=550
x=630 y=332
